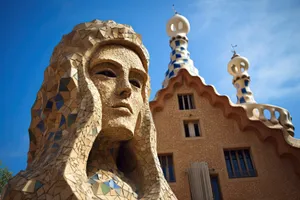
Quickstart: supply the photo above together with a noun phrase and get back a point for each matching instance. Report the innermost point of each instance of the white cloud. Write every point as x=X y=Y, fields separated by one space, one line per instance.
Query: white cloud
x=267 y=33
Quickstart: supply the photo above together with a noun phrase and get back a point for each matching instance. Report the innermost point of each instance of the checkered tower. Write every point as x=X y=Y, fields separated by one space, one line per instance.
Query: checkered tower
x=177 y=28
x=238 y=68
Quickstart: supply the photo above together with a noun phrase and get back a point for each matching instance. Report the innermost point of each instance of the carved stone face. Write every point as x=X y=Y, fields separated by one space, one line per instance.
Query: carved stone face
x=120 y=78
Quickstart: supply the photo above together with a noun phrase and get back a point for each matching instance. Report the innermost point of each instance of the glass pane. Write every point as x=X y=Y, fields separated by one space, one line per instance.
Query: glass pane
x=215 y=188
x=180 y=102
x=242 y=163
x=186 y=129
x=197 y=132
x=235 y=164
x=228 y=164
x=163 y=163
x=171 y=169
x=249 y=163
x=191 y=101
x=186 y=104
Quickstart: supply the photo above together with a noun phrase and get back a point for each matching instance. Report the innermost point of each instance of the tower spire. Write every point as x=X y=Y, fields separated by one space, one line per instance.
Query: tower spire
x=177 y=29
x=173 y=7
x=238 y=67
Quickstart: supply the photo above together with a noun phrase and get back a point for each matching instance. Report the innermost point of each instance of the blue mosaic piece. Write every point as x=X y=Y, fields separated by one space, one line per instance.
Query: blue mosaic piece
x=171 y=74
x=185 y=60
x=173 y=52
x=63 y=87
x=62 y=121
x=50 y=135
x=246 y=82
x=182 y=48
x=242 y=100
x=64 y=81
x=41 y=126
x=63 y=84
x=38 y=185
x=118 y=191
x=59 y=101
x=95 y=177
x=178 y=55
x=112 y=184
x=49 y=104
x=58 y=97
x=176 y=66
x=59 y=104
x=58 y=135
x=167 y=73
x=177 y=43
x=71 y=119
x=244 y=91
x=55 y=146
x=91 y=181
x=116 y=186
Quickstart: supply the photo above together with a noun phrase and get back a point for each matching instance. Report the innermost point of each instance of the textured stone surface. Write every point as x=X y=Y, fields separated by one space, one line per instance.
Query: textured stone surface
x=92 y=135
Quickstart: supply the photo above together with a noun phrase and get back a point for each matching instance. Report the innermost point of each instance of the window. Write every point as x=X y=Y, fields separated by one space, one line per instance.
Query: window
x=166 y=162
x=239 y=163
x=191 y=128
x=215 y=187
x=186 y=101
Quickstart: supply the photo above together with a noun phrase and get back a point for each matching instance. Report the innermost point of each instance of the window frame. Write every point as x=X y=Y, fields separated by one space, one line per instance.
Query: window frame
x=240 y=168
x=189 y=101
x=167 y=176
x=194 y=121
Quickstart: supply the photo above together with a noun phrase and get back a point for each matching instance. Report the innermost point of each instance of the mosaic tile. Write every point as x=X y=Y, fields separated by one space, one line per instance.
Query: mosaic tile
x=58 y=135
x=51 y=134
x=49 y=104
x=71 y=119
x=37 y=185
x=62 y=121
x=105 y=188
x=41 y=126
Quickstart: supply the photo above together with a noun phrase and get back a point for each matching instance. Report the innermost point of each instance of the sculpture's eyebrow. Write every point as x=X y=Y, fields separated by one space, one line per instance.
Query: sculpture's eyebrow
x=101 y=61
x=139 y=71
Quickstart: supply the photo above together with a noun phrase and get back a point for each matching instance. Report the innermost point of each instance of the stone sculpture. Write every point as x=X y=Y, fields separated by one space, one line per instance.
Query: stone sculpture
x=92 y=134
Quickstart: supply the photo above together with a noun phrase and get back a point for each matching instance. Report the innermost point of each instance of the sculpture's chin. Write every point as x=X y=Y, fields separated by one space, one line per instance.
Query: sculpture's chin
x=125 y=158
x=107 y=140
x=117 y=134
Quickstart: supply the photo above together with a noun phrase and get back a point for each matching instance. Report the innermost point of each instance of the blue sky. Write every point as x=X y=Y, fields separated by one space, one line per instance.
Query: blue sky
x=267 y=33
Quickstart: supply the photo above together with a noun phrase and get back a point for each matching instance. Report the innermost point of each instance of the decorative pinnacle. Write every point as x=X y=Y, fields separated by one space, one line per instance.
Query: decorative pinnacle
x=173 y=7
x=233 y=51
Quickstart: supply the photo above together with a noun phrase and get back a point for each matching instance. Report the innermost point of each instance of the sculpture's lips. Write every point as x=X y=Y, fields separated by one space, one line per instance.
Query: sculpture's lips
x=123 y=105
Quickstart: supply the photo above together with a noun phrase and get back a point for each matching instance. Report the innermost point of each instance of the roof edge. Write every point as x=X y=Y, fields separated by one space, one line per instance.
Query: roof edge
x=285 y=144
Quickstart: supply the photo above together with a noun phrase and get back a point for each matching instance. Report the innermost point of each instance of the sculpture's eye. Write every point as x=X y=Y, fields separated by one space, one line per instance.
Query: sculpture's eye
x=135 y=83
x=107 y=73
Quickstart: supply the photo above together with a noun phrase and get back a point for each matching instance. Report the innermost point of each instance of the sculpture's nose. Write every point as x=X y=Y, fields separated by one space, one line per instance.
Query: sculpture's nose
x=124 y=89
